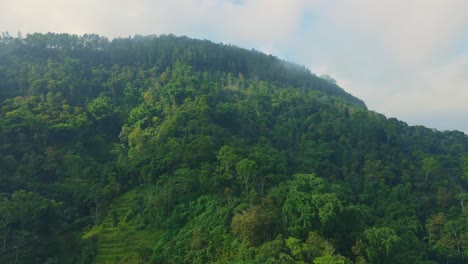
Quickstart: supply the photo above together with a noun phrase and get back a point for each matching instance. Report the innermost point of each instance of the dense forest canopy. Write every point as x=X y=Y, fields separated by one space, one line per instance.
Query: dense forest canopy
x=161 y=52
x=165 y=149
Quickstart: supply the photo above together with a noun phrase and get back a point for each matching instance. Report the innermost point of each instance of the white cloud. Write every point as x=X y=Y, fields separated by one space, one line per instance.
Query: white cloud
x=399 y=56
x=262 y=20
x=439 y=89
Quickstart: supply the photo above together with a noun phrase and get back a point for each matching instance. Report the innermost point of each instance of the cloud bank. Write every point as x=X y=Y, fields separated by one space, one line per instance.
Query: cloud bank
x=406 y=59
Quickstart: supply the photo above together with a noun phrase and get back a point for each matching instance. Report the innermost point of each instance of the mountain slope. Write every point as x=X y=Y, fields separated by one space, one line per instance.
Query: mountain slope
x=185 y=151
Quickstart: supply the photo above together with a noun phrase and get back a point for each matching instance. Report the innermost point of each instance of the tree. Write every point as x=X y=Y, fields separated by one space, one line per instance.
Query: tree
x=253 y=225
x=6 y=220
x=430 y=164
x=381 y=243
x=227 y=158
x=328 y=259
x=246 y=170
x=306 y=204
x=101 y=108
x=434 y=226
x=23 y=217
x=448 y=237
x=464 y=165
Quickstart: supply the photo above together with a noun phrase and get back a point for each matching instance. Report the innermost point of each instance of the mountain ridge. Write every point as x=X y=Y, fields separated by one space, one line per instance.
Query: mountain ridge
x=151 y=51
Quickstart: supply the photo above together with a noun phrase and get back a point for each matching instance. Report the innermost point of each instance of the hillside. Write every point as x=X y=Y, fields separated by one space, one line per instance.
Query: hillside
x=165 y=149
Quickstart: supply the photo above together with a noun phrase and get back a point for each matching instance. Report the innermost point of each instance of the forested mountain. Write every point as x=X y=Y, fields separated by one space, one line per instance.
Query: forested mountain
x=165 y=149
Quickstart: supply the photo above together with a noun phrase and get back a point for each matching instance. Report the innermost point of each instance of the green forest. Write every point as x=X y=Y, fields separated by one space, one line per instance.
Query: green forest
x=166 y=149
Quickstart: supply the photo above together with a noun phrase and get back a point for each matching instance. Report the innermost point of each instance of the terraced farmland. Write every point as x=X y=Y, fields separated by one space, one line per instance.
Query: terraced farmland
x=119 y=238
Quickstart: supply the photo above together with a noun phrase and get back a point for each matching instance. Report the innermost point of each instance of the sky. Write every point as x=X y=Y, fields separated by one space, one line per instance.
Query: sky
x=405 y=58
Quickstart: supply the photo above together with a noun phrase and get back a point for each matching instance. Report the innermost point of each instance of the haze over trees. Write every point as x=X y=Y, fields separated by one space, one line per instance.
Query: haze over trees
x=164 y=149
